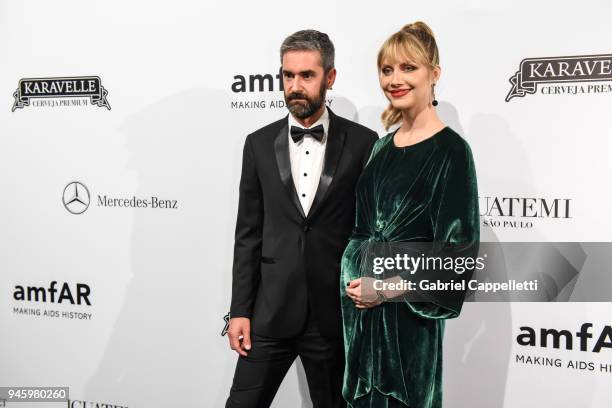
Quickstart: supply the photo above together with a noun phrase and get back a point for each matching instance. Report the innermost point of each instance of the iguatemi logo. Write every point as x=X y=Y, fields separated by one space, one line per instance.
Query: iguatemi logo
x=568 y=72
x=56 y=92
x=521 y=212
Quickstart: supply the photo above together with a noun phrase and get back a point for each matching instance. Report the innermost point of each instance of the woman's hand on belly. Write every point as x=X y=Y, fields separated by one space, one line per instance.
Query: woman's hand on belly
x=361 y=291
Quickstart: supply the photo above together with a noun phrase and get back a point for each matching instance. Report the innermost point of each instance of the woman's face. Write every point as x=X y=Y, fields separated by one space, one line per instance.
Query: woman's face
x=408 y=84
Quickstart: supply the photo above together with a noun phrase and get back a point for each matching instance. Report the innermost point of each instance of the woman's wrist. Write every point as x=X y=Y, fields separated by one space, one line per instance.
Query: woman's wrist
x=381 y=296
x=392 y=293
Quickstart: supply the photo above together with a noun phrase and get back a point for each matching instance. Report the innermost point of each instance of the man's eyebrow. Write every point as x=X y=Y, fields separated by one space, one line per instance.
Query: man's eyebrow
x=306 y=72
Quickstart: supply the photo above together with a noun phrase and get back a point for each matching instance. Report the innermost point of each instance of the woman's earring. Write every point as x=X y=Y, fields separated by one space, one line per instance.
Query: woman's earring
x=434 y=102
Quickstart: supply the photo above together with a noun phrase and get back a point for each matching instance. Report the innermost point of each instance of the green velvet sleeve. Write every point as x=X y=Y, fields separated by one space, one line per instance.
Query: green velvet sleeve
x=455 y=224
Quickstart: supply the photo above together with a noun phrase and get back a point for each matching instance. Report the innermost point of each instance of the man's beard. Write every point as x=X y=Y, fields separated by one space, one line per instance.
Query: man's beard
x=303 y=111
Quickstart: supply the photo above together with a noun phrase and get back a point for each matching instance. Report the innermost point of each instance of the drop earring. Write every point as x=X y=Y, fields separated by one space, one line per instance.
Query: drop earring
x=434 y=102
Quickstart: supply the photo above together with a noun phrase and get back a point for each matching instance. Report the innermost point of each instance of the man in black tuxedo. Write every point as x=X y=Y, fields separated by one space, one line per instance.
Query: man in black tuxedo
x=296 y=211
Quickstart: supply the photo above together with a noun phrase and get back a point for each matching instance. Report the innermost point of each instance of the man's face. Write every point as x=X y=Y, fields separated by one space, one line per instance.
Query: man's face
x=305 y=82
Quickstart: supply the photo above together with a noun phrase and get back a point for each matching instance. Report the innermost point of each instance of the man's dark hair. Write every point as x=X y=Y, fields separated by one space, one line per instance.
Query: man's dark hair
x=310 y=40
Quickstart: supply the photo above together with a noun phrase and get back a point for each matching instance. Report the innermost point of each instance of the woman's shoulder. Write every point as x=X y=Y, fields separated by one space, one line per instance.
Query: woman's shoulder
x=453 y=142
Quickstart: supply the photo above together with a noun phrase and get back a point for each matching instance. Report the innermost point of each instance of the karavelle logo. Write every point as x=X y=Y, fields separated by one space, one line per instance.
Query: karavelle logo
x=76 y=197
x=60 y=92
x=562 y=70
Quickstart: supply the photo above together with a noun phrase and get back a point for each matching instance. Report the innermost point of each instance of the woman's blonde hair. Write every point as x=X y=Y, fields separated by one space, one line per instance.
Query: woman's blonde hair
x=415 y=42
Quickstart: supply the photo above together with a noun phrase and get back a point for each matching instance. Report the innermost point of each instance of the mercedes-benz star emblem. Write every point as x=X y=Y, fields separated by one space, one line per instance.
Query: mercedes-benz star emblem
x=76 y=197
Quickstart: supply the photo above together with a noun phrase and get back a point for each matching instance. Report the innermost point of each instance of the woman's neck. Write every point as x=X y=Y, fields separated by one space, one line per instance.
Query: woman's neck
x=417 y=125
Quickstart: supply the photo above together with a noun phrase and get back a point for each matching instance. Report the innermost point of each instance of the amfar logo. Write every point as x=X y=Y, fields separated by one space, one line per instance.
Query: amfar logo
x=250 y=84
x=257 y=82
x=64 y=91
x=577 y=69
x=56 y=294
x=553 y=337
x=78 y=295
x=76 y=197
x=504 y=211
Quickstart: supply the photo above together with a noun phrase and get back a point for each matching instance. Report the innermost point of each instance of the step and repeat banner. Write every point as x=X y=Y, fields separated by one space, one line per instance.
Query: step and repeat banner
x=121 y=134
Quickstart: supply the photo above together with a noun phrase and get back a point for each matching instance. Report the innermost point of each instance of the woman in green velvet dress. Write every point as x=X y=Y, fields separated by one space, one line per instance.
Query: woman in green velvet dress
x=419 y=186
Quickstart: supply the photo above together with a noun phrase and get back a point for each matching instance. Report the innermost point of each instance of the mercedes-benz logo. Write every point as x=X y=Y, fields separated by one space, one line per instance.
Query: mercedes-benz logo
x=76 y=197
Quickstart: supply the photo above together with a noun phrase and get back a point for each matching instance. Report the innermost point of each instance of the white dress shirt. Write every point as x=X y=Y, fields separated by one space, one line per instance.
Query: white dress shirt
x=307 y=157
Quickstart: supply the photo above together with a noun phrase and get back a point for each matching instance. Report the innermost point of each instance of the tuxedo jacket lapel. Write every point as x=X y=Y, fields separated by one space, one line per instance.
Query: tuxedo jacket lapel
x=281 y=150
x=333 y=152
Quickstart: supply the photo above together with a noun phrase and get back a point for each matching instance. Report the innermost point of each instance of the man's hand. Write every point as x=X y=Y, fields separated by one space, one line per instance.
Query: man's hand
x=239 y=335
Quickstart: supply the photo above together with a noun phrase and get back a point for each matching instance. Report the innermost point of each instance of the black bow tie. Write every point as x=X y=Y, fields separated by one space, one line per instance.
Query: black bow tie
x=298 y=133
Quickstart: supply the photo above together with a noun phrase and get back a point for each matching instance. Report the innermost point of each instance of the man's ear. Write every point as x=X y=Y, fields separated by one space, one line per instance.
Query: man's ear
x=330 y=78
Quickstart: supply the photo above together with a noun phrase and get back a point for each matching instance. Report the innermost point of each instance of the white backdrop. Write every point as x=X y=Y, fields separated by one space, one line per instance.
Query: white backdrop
x=160 y=278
